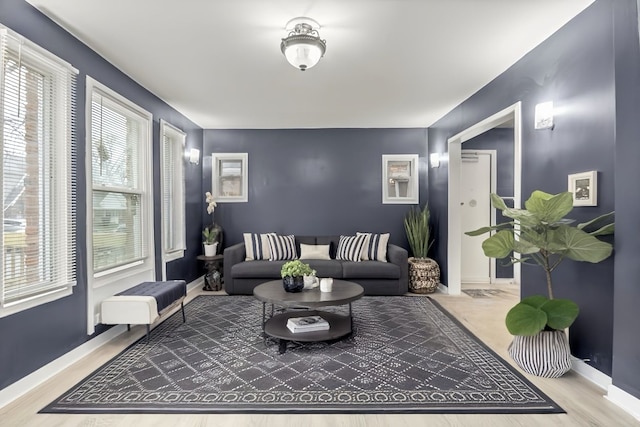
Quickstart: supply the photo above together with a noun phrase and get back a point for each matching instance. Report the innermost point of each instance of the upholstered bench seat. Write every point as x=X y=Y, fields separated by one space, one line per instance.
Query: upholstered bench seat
x=144 y=303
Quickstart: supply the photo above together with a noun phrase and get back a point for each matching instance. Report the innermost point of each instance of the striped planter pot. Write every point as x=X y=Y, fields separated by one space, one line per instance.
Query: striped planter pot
x=546 y=354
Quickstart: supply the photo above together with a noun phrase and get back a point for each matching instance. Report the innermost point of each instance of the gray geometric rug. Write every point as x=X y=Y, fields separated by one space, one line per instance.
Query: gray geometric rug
x=406 y=354
x=482 y=293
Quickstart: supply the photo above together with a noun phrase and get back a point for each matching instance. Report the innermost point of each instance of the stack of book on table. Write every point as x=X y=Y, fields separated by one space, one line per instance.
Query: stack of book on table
x=307 y=324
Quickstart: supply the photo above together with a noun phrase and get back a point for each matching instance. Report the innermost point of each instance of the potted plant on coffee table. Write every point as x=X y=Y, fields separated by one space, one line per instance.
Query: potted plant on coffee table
x=293 y=273
x=424 y=273
x=542 y=236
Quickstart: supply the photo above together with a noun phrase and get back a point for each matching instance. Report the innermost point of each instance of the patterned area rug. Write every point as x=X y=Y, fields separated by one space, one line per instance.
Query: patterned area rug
x=482 y=293
x=406 y=355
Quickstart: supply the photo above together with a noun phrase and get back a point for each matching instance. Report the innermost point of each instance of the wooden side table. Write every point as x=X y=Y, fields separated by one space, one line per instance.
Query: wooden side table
x=213 y=277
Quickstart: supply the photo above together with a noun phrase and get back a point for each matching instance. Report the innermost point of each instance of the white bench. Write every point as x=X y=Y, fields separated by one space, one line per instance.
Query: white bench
x=143 y=304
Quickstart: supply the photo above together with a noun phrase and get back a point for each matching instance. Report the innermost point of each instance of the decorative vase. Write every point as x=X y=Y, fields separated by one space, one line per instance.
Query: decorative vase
x=424 y=275
x=545 y=354
x=210 y=250
x=293 y=283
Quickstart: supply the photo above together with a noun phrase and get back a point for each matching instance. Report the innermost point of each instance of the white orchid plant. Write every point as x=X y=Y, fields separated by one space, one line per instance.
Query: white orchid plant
x=210 y=232
x=211 y=206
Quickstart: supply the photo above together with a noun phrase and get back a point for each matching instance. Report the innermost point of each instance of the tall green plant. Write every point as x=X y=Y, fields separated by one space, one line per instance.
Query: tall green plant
x=541 y=235
x=416 y=226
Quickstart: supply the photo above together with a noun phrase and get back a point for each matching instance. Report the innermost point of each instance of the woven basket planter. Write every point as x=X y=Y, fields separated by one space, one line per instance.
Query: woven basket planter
x=424 y=275
x=546 y=354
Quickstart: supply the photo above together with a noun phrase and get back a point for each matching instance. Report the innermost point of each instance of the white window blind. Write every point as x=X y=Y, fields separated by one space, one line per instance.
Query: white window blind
x=173 y=222
x=37 y=106
x=119 y=133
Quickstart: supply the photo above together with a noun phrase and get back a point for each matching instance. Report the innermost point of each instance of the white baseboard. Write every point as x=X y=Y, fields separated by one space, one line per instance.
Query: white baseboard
x=624 y=400
x=589 y=372
x=36 y=378
x=442 y=288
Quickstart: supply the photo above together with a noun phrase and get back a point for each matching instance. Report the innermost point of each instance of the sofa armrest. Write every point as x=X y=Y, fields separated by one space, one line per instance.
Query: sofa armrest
x=232 y=256
x=400 y=257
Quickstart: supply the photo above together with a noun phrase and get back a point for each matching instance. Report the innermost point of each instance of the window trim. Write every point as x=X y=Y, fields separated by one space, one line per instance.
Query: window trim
x=179 y=205
x=109 y=282
x=45 y=61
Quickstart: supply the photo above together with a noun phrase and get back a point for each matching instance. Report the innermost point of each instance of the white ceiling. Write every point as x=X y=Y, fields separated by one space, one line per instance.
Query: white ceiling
x=389 y=63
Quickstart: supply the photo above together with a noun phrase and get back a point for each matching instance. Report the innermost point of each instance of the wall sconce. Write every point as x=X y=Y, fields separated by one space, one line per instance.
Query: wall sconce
x=434 y=160
x=544 y=115
x=194 y=156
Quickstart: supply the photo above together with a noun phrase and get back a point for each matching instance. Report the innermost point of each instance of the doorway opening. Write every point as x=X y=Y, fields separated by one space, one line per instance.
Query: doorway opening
x=510 y=190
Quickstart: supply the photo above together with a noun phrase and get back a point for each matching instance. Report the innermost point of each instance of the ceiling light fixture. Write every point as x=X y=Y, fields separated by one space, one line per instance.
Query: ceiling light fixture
x=303 y=47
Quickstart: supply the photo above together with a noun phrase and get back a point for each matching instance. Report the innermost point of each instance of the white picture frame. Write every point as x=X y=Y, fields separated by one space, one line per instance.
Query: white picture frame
x=400 y=184
x=584 y=187
x=229 y=181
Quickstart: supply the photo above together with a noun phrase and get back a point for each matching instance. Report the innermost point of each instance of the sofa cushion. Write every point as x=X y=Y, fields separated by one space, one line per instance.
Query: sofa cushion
x=307 y=240
x=282 y=247
x=329 y=240
x=326 y=268
x=270 y=270
x=314 y=251
x=369 y=270
x=256 y=246
x=375 y=247
x=259 y=269
x=350 y=247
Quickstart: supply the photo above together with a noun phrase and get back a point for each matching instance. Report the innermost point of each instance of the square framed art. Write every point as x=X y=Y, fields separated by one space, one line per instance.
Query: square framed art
x=584 y=187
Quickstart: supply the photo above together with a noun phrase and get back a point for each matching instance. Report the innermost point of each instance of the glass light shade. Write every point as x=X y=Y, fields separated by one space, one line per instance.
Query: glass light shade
x=544 y=115
x=303 y=55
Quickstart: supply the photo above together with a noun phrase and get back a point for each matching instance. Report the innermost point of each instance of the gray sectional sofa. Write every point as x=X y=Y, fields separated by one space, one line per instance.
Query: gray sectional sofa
x=376 y=277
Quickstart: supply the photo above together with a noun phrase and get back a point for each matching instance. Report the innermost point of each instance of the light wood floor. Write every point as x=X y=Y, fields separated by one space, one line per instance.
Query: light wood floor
x=584 y=402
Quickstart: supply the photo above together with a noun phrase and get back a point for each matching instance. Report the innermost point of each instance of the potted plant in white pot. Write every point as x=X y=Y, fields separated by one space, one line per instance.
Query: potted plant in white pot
x=424 y=273
x=542 y=236
x=209 y=240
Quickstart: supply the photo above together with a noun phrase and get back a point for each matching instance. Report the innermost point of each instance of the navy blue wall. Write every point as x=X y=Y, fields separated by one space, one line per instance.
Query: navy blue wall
x=575 y=69
x=626 y=349
x=314 y=181
x=32 y=338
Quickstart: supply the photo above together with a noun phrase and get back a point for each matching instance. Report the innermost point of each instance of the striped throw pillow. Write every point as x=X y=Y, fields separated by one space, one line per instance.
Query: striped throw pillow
x=256 y=246
x=350 y=247
x=375 y=247
x=282 y=247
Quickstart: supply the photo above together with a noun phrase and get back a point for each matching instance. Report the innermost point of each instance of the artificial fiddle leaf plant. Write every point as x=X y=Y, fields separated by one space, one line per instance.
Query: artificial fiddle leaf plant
x=540 y=234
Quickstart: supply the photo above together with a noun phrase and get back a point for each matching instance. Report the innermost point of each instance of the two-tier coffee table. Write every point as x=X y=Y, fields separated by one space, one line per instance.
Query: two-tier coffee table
x=342 y=293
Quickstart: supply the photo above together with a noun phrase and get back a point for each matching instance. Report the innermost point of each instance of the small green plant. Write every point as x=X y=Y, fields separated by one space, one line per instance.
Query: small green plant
x=416 y=225
x=543 y=236
x=209 y=235
x=295 y=268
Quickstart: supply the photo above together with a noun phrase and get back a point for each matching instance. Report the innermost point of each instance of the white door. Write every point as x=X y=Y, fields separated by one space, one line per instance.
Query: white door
x=475 y=205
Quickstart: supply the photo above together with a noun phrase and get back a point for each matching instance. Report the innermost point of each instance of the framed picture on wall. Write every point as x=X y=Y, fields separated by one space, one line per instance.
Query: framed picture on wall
x=229 y=181
x=584 y=187
x=400 y=179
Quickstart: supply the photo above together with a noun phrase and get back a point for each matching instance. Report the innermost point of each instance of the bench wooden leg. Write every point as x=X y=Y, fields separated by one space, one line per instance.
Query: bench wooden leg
x=148 y=332
x=184 y=318
x=128 y=327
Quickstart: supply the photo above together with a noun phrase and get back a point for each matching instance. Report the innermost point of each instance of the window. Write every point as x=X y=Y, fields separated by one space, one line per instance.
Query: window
x=230 y=177
x=37 y=106
x=173 y=223
x=119 y=140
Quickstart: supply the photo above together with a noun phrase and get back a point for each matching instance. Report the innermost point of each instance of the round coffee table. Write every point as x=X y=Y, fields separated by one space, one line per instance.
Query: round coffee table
x=342 y=293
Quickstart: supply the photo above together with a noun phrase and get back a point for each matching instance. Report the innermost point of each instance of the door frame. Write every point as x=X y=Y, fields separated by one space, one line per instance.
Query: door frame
x=493 y=183
x=454 y=244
